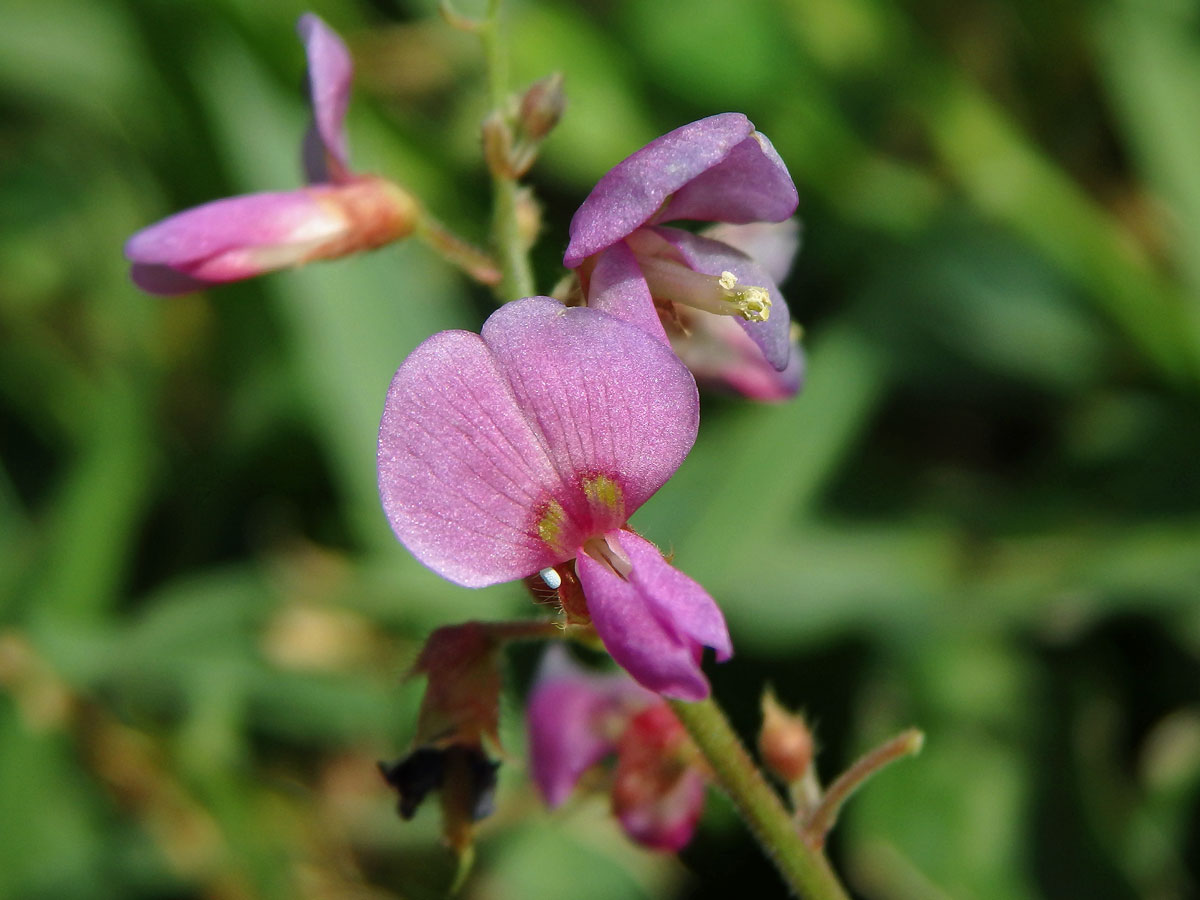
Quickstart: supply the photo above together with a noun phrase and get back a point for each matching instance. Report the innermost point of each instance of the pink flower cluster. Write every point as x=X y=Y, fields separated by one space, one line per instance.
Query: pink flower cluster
x=526 y=448
x=523 y=450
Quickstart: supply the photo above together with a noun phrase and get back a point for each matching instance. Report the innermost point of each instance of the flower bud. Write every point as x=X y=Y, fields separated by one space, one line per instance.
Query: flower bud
x=542 y=107
x=498 y=145
x=377 y=212
x=240 y=237
x=785 y=742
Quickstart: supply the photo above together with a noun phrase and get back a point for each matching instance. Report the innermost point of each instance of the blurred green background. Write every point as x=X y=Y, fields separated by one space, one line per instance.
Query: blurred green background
x=982 y=516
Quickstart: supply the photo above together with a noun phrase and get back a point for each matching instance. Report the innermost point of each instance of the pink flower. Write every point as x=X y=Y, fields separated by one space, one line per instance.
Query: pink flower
x=510 y=452
x=240 y=237
x=577 y=718
x=679 y=286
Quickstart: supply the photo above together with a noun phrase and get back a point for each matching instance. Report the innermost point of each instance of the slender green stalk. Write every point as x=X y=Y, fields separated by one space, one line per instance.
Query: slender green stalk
x=804 y=868
x=825 y=815
x=517 y=273
x=476 y=263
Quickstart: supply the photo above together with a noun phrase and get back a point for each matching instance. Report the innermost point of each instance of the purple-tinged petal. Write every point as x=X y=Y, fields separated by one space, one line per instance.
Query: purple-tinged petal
x=654 y=621
x=234 y=238
x=773 y=245
x=463 y=475
x=709 y=257
x=607 y=398
x=574 y=718
x=723 y=357
x=629 y=194
x=330 y=74
x=751 y=184
x=616 y=286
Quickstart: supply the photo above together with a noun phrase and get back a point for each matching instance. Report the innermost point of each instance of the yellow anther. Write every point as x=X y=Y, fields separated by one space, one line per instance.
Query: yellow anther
x=722 y=294
x=751 y=303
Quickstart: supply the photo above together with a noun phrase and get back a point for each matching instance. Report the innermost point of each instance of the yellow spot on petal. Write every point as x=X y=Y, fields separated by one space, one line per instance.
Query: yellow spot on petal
x=550 y=524
x=604 y=496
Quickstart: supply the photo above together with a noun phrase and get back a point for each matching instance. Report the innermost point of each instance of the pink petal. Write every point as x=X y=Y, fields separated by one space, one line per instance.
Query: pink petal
x=462 y=472
x=655 y=622
x=606 y=397
x=773 y=245
x=675 y=598
x=669 y=822
x=165 y=281
x=231 y=239
x=618 y=288
x=573 y=717
x=709 y=257
x=723 y=357
x=330 y=74
x=631 y=192
x=657 y=796
x=751 y=184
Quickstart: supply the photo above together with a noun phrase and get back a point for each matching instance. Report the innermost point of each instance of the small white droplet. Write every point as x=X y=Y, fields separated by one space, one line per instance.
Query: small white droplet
x=551 y=577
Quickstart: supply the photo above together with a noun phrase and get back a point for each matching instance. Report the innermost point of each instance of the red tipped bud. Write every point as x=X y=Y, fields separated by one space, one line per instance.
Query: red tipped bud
x=785 y=742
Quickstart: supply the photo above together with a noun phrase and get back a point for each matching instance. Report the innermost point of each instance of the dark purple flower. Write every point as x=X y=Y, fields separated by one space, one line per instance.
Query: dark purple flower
x=510 y=452
x=672 y=282
x=240 y=237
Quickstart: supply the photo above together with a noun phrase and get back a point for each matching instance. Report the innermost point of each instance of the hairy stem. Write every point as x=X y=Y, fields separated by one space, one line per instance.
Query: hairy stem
x=804 y=868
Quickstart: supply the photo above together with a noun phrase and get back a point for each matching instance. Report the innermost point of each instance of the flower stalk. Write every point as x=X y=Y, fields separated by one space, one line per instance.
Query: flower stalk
x=509 y=242
x=804 y=867
x=824 y=816
x=454 y=249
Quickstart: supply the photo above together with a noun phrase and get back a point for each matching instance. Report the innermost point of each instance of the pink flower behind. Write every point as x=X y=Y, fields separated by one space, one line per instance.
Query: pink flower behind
x=240 y=237
x=577 y=718
x=505 y=453
x=678 y=285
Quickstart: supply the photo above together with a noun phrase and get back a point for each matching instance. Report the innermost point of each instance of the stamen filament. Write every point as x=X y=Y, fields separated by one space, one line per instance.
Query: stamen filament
x=721 y=294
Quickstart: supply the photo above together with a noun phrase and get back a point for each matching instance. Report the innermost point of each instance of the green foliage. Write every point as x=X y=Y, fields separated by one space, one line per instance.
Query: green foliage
x=982 y=517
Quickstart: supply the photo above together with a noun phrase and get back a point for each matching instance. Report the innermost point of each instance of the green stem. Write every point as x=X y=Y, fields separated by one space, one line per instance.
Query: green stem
x=451 y=247
x=804 y=868
x=825 y=815
x=517 y=273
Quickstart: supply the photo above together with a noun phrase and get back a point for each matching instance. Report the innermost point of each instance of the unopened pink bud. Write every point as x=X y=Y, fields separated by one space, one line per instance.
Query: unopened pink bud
x=240 y=237
x=376 y=212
